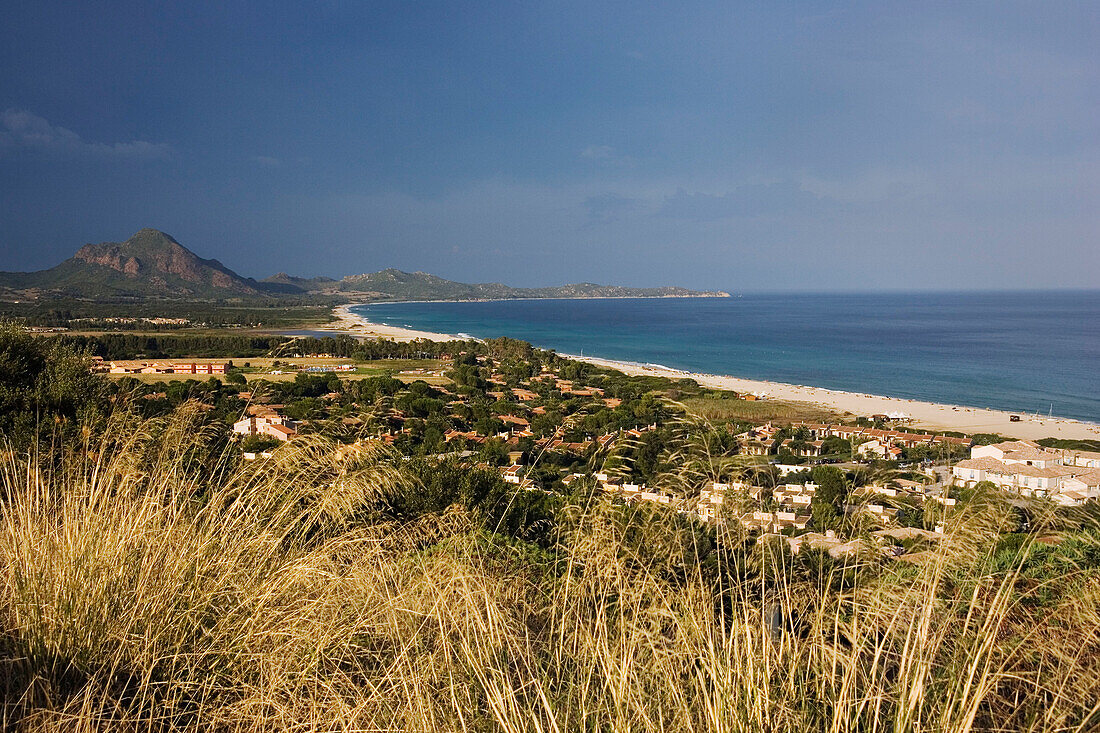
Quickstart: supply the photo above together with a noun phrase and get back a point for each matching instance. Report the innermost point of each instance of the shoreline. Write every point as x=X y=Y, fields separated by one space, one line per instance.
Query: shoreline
x=929 y=415
x=354 y=325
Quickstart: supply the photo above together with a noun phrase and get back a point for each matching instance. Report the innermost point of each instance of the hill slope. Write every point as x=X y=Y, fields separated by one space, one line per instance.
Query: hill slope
x=148 y=264
x=396 y=284
x=151 y=264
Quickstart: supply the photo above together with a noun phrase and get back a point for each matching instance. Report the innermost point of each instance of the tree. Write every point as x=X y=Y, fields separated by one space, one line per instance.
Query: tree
x=827 y=505
x=45 y=387
x=258 y=443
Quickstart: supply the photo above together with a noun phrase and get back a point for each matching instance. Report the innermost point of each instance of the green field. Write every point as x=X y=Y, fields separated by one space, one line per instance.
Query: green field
x=408 y=370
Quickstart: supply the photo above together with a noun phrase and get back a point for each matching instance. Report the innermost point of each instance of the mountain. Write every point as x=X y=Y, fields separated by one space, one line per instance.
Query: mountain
x=151 y=264
x=394 y=284
x=148 y=264
x=290 y=283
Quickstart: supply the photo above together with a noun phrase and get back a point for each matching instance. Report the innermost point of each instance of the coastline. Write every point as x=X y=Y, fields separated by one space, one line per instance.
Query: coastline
x=351 y=324
x=928 y=415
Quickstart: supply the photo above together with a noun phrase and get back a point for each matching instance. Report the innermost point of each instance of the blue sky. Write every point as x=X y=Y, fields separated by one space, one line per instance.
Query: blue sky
x=770 y=146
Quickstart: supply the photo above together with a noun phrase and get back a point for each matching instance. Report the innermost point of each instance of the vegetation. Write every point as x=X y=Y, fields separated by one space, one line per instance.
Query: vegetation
x=169 y=588
x=152 y=265
x=154 y=578
x=83 y=315
x=1064 y=444
x=398 y=285
x=46 y=392
x=717 y=406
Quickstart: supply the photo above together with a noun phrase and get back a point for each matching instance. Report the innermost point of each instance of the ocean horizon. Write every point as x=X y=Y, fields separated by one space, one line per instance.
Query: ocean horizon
x=1020 y=351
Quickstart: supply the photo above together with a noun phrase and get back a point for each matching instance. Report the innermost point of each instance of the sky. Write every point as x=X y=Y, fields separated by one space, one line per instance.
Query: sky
x=740 y=146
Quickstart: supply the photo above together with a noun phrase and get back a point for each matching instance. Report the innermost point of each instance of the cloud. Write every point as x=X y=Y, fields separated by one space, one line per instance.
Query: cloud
x=597 y=152
x=748 y=200
x=22 y=129
x=609 y=207
x=267 y=161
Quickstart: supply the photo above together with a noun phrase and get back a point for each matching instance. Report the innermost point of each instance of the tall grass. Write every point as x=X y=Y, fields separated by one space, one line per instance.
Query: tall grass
x=143 y=587
x=723 y=408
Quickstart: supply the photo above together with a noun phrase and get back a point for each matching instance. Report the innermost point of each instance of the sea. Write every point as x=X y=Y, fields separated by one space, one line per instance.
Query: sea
x=1025 y=352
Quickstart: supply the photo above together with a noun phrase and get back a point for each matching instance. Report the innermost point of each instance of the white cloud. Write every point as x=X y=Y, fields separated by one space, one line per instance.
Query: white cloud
x=597 y=152
x=22 y=129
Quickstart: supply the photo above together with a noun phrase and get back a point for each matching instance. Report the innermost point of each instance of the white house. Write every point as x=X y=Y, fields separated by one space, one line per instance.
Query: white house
x=1030 y=470
x=273 y=425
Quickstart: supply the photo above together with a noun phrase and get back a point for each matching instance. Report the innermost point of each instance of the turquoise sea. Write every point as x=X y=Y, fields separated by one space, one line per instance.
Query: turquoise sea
x=1018 y=351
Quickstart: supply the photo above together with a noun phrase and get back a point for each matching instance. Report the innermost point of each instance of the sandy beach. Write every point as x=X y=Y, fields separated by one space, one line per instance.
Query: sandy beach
x=926 y=415
x=348 y=323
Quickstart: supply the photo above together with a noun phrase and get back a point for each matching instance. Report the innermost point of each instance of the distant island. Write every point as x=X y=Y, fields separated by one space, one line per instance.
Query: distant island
x=152 y=264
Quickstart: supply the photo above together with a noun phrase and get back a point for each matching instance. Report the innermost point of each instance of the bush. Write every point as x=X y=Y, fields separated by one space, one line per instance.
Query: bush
x=330 y=589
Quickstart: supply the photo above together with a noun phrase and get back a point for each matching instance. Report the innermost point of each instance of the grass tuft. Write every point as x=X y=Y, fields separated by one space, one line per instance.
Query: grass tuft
x=147 y=586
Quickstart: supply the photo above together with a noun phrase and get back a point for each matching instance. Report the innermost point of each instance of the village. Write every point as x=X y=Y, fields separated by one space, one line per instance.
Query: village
x=548 y=424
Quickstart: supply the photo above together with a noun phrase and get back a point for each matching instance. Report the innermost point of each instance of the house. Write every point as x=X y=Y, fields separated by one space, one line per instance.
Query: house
x=709 y=504
x=1018 y=452
x=951 y=440
x=1028 y=469
x=566 y=447
x=801 y=448
x=513 y=420
x=908 y=488
x=157 y=367
x=1085 y=459
x=756 y=446
x=270 y=424
x=196 y=368
x=278 y=431
x=794 y=496
x=586 y=392
x=879 y=449
x=775 y=521
x=513 y=474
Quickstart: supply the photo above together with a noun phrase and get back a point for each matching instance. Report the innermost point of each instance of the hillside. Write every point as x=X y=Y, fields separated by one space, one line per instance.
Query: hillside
x=151 y=264
x=396 y=284
x=148 y=264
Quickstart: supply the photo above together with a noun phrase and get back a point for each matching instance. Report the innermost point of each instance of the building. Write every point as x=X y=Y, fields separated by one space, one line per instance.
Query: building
x=879 y=449
x=157 y=367
x=270 y=424
x=524 y=395
x=1085 y=459
x=1029 y=469
x=199 y=368
x=329 y=368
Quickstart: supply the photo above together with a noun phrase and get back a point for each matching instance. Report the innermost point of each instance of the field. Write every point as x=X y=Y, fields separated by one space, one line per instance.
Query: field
x=428 y=370
x=715 y=408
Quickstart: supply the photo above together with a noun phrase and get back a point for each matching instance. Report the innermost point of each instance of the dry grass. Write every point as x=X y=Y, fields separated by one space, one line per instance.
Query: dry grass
x=719 y=409
x=139 y=593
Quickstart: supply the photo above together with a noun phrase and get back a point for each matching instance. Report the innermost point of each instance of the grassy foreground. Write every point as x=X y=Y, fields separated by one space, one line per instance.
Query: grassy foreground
x=143 y=588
